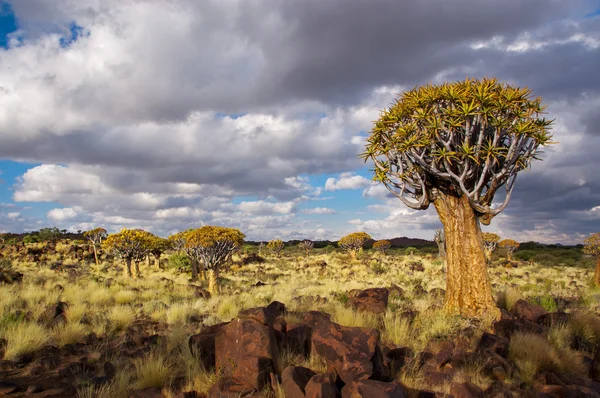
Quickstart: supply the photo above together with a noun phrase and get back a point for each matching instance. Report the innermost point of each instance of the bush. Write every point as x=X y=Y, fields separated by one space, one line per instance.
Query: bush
x=180 y=262
x=29 y=239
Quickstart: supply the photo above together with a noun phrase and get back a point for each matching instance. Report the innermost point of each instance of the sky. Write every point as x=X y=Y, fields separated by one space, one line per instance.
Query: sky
x=168 y=115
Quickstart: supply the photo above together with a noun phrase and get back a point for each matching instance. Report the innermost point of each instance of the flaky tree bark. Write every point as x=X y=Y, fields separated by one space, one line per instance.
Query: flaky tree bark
x=127 y=269
x=138 y=274
x=597 y=273
x=213 y=282
x=468 y=289
x=195 y=267
x=95 y=254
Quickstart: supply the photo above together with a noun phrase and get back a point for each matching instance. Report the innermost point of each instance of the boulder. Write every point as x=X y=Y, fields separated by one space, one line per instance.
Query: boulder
x=373 y=389
x=203 y=345
x=294 y=380
x=465 y=390
x=493 y=343
x=525 y=310
x=321 y=386
x=246 y=351
x=353 y=352
x=312 y=318
x=373 y=300
x=150 y=392
x=298 y=338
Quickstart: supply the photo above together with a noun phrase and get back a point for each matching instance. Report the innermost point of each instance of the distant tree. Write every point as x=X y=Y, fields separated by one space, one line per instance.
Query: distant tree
x=31 y=238
x=214 y=245
x=129 y=245
x=591 y=246
x=440 y=240
x=95 y=236
x=51 y=235
x=158 y=246
x=411 y=250
x=178 y=242
x=307 y=246
x=382 y=245
x=353 y=243
x=276 y=246
x=490 y=242
x=509 y=247
x=454 y=145
x=261 y=247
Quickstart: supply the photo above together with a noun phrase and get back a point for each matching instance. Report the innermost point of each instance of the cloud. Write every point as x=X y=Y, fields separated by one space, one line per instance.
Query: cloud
x=164 y=114
x=319 y=210
x=346 y=180
x=64 y=214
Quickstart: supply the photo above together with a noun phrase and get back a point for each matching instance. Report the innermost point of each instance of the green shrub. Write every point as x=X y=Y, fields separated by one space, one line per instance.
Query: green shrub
x=180 y=262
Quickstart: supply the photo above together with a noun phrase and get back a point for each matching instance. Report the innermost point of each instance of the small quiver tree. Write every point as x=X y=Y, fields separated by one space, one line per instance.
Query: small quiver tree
x=214 y=246
x=178 y=242
x=353 y=243
x=382 y=246
x=490 y=242
x=158 y=246
x=276 y=246
x=440 y=240
x=509 y=247
x=307 y=246
x=591 y=246
x=454 y=145
x=129 y=245
x=95 y=237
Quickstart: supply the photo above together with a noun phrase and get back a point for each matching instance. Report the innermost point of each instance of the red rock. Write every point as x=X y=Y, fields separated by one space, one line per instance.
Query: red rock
x=528 y=311
x=465 y=390
x=373 y=300
x=150 y=392
x=504 y=328
x=228 y=387
x=554 y=319
x=353 y=352
x=298 y=338
x=433 y=378
x=294 y=380
x=321 y=386
x=373 y=389
x=312 y=318
x=203 y=345
x=247 y=351
x=493 y=343
x=7 y=387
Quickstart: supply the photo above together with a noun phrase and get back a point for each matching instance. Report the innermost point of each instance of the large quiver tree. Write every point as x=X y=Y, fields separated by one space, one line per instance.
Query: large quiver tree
x=455 y=145
x=353 y=243
x=214 y=246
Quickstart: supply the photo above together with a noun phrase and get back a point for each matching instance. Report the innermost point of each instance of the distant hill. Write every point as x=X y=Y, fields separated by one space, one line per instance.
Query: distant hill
x=401 y=242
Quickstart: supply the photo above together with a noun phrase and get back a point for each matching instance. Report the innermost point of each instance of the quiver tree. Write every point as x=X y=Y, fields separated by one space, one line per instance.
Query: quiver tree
x=129 y=245
x=509 y=247
x=178 y=242
x=591 y=246
x=95 y=237
x=158 y=246
x=490 y=242
x=453 y=146
x=276 y=246
x=307 y=246
x=214 y=246
x=440 y=241
x=382 y=245
x=353 y=243
x=261 y=247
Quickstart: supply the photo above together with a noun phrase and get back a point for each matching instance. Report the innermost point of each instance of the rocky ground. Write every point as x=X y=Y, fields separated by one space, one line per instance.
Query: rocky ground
x=371 y=328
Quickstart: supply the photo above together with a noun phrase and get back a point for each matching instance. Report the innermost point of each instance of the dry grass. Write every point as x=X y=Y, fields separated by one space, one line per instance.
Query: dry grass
x=69 y=333
x=23 y=338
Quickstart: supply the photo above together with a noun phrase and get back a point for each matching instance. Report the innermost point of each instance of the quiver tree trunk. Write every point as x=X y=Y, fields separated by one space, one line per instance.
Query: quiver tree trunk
x=213 y=281
x=138 y=274
x=127 y=270
x=195 y=268
x=95 y=254
x=597 y=273
x=468 y=289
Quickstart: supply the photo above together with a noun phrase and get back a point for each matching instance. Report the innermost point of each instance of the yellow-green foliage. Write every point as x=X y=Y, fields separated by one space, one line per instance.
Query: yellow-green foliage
x=509 y=246
x=213 y=244
x=129 y=243
x=490 y=241
x=432 y=133
x=382 y=245
x=591 y=245
x=354 y=241
x=276 y=246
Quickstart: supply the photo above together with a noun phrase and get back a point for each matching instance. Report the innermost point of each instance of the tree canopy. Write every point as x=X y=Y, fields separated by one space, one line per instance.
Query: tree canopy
x=467 y=138
x=591 y=245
